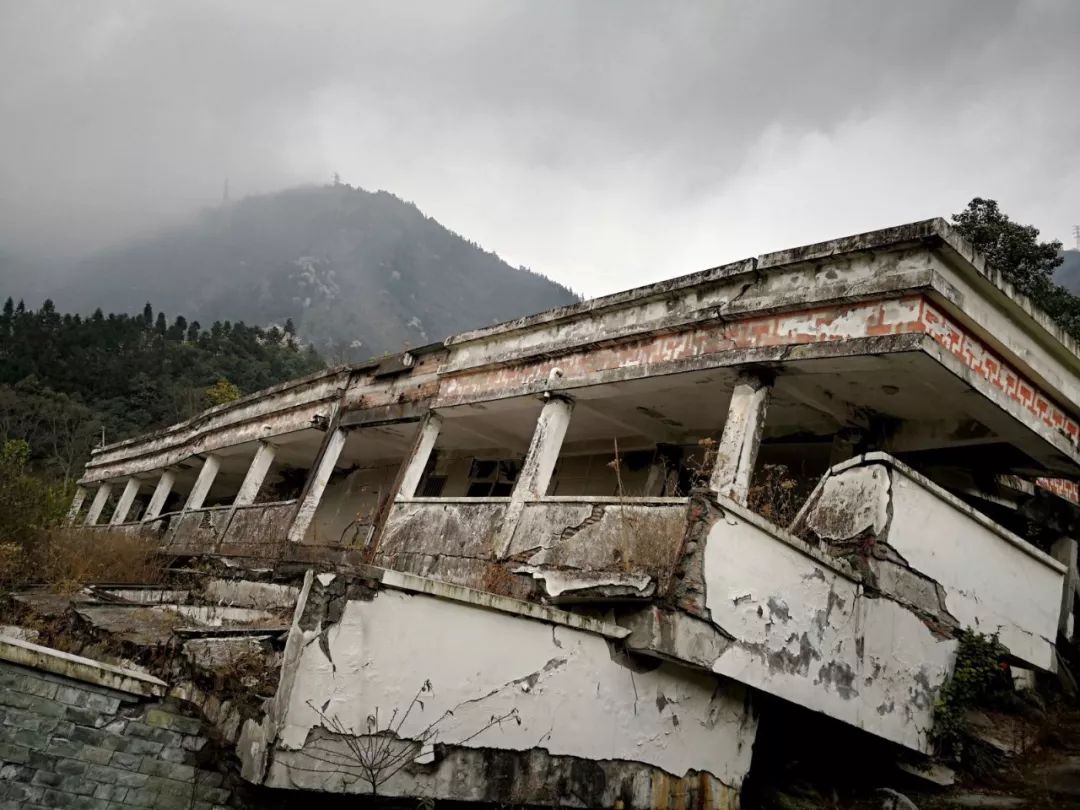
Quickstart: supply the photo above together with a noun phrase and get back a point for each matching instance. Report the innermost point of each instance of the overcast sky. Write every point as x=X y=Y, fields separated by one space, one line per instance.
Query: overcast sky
x=605 y=144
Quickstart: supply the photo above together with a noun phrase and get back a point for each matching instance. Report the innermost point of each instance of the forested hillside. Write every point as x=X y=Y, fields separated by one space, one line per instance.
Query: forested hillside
x=67 y=381
x=359 y=273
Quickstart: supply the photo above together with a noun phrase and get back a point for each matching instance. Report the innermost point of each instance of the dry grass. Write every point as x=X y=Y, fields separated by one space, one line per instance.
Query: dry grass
x=776 y=495
x=67 y=559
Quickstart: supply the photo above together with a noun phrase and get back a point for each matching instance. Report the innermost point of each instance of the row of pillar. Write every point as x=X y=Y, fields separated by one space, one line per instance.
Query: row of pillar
x=249 y=489
x=734 y=464
x=732 y=471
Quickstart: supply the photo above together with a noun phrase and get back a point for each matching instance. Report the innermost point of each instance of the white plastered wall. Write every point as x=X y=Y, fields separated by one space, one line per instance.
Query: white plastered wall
x=571 y=694
x=992 y=582
x=807 y=633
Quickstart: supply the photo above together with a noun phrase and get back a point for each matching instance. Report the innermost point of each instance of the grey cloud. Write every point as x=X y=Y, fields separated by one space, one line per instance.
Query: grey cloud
x=603 y=143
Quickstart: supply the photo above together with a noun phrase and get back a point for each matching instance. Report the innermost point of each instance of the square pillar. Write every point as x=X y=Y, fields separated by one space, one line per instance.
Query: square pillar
x=127 y=498
x=316 y=485
x=737 y=452
x=663 y=472
x=547 y=439
x=539 y=465
x=76 y=505
x=100 y=497
x=161 y=494
x=255 y=475
x=203 y=483
x=421 y=454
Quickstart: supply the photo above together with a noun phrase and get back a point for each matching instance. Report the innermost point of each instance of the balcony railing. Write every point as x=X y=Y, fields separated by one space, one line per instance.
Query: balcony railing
x=575 y=547
x=258 y=530
x=197 y=531
x=253 y=530
x=450 y=536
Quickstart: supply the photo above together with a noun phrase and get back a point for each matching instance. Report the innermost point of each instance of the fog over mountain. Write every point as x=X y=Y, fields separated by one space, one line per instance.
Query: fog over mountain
x=604 y=144
x=359 y=273
x=1068 y=275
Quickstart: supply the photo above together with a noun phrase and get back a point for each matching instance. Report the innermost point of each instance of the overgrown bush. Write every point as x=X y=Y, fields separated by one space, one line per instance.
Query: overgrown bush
x=27 y=504
x=36 y=549
x=67 y=559
x=980 y=679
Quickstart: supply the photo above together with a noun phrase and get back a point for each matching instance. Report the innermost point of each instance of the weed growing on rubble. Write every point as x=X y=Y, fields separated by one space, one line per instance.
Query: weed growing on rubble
x=775 y=495
x=640 y=543
x=67 y=559
x=379 y=751
x=701 y=470
x=981 y=677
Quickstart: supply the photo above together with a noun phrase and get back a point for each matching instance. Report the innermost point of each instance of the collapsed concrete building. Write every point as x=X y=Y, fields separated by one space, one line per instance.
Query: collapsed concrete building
x=566 y=559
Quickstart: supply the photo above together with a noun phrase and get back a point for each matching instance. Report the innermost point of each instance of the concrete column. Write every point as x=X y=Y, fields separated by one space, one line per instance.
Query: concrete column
x=256 y=474
x=320 y=477
x=96 y=505
x=203 y=483
x=547 y=439
x=421 y=454
x=161 y=494
x=538 y=466
x=663 y=472
x=738 y=449
x=76 y=505
x=1064 y=551
x=127 y=498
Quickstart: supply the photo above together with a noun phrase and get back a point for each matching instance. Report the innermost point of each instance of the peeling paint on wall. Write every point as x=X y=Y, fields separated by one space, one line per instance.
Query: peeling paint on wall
x=805 y=632
x=938 y=554
x=571 y=696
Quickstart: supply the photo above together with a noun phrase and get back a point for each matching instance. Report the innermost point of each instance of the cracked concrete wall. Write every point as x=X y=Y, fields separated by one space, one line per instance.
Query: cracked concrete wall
x=564 y=550
x=451 y=540
x=348 y=506
x=573 y=705
x=198 y=531
x=600 y=549
x=930 y=549
x=258 y=530
x=253 y=531
x=990 y=583
x=804 y=630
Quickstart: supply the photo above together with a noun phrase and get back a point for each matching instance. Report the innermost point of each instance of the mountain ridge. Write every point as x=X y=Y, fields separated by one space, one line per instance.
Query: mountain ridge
x=359 y=273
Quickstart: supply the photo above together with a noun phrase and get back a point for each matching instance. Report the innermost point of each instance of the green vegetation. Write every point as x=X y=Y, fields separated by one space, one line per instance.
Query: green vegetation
x=26 y=504
x=221 y=392
x=33 y=551
x=28 y=508
x=67 y=382
x=1015 y=251
x=980 y=678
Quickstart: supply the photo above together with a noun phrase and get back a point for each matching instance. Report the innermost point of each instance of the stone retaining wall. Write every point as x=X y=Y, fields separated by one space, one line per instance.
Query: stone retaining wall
x=68 y=743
